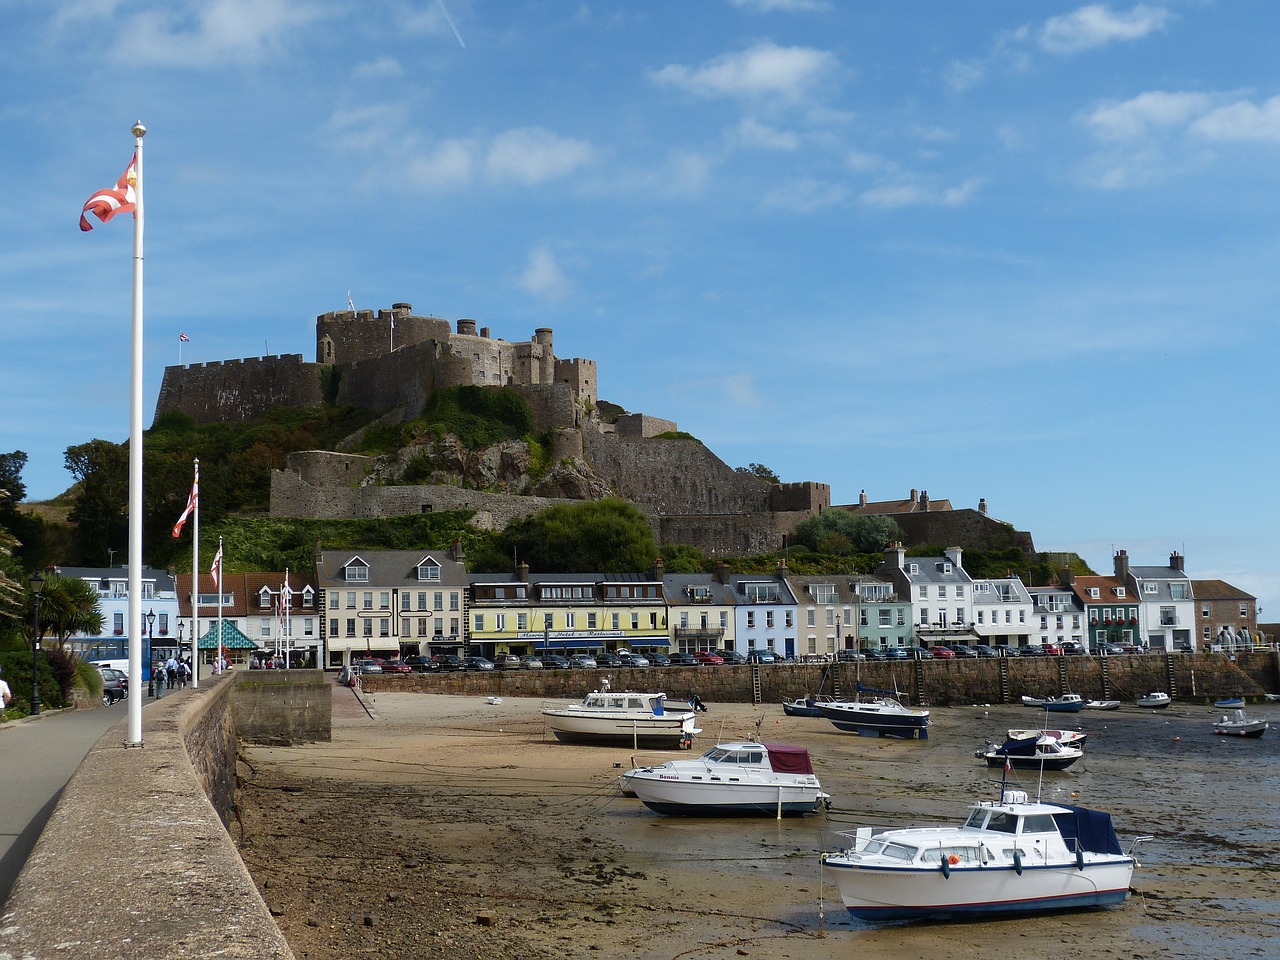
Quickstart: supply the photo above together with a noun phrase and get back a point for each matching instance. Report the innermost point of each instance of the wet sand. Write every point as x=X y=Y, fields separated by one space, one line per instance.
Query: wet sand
x=451 y=827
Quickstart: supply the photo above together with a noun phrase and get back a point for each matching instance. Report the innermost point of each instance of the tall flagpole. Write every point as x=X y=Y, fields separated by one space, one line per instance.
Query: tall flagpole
x=134 y=738
x=195 y=583
x=217 y=666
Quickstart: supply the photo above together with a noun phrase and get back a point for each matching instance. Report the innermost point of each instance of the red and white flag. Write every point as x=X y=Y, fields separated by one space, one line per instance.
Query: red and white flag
x=183 y=337
x=105 y=204
x=192 y=502
x=215 y=571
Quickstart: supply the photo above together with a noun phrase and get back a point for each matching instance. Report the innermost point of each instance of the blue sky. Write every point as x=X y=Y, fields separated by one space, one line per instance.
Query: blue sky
x=1020 y=251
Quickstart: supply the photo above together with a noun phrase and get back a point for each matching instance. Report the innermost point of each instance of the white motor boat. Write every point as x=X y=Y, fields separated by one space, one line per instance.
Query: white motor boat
x=622 y=717
x=1067 y=703
x=731 y=779
x=1236 y=724
x=1036 y=752
x=1068 y=738
x=1102 y=705
x=1010 y=856
x=882 y=716
x=1154 y=701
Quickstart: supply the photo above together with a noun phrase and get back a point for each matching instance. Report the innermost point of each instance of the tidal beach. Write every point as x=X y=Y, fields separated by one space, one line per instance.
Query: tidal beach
x=442 y=826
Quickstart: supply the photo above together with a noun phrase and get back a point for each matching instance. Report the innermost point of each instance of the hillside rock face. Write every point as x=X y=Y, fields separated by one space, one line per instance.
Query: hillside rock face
x=500 y=468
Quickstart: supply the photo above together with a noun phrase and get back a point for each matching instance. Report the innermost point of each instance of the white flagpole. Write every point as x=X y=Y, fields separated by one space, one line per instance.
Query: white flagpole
x=222 y=560
x=195 y=583
x=288 y=618
x=134 y=738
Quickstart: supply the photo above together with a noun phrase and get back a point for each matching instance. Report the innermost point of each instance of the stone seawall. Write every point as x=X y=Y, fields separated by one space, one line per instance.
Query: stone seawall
x=135 y=860
x=1194 y=678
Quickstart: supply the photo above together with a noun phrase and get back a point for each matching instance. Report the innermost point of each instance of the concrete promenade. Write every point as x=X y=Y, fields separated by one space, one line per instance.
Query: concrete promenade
x=38 y=755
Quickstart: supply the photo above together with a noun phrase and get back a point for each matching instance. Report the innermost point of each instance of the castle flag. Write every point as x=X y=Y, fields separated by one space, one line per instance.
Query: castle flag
x=215 y=571
x=105 y=204
x=183 y=338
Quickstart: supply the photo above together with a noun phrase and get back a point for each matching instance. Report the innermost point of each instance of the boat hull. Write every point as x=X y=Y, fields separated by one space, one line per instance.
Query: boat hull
x=1255 y=729
x=1030 y=763
x=800 y=708
x=682 y=798
x=652 y=731
x=867 y=720
x=878 y=893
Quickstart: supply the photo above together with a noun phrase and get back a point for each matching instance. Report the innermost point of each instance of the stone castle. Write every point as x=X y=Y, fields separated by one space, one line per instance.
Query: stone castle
x=391 y=361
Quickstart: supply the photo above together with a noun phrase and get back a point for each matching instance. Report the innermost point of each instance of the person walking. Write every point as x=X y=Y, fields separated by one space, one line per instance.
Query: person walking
x=6 y=695
x=171 y=672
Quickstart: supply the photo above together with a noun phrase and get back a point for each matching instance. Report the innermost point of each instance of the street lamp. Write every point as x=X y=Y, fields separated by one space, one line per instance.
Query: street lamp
x=37 y=587
x=151 y=683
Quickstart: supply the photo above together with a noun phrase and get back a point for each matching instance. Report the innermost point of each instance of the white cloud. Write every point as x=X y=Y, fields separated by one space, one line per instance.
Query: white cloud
x=1241 y=121
x=753 y=133
x=1096 y=25
x=1146 y=113
x=543 y=276
x=763 y=70
x=806 y=196
x=450 y=163
x=214 y=33
x=379 y=69
x=915 y=193
x=784 y=6
x=861 y=162
x=533 y=155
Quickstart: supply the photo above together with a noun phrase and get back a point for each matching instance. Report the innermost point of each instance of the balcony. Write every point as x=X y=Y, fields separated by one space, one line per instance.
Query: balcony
x=699 y=633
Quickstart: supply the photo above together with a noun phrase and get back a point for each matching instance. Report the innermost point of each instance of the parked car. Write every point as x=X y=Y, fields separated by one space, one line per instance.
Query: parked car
x=420 y=664
x=450 y=662
x=553 y=661
x=942 y=653
x=396 y=666
x=1051 y=649
x=986 y=650
x=1111 y=649
x=732 y=657
x=582 y=661
x=850 y=656
x=369 y=665
x=1073 y=648
x=114 y=686
x=684 y=660
x=608 y=660
x=531 y=663
x=962 y=650
x=630 y=659
x=897 y=653
x=478 y=663
x=1030 y=650
x=507 y=661
x=659 y=659
x=875 y=653
x=761 y=656
x=1130 y=648
x=919 y=653
x=708 y=657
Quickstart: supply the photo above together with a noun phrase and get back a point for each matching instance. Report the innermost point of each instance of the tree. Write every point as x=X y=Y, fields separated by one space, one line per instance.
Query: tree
x=100 y=514
x=603 y=535
x=760 y=471
x=69 y=607
x=841 y=532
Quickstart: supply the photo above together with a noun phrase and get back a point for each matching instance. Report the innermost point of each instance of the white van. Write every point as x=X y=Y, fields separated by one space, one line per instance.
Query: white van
x=121 y=665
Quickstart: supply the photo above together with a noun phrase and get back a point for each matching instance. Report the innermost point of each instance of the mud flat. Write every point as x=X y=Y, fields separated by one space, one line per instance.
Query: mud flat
x=438 y=826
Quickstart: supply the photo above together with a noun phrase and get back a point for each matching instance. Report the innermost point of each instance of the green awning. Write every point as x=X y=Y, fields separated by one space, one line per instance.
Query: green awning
x=232 y=638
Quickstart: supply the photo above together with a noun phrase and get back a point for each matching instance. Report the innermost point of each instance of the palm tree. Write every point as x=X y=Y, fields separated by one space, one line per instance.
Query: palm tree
x=69 y=607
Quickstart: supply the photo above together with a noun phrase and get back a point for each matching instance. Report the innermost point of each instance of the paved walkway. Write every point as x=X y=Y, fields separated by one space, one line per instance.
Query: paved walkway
x=38 y=755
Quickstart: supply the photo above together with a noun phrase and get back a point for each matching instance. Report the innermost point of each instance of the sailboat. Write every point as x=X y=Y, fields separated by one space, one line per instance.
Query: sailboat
x=882 y=715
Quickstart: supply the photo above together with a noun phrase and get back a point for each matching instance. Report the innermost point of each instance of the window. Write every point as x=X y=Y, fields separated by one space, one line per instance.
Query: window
x=924 y=591
x=959 y=590
x=591 y=621
x=635 y=621
x=960 y=615
x=356 y=570
x=823 y=592
x=264 y=599
x=1044 y=623
x=751 y=619
x=117 y=625
x=422 y=626
x=942 y=591
x=570 y=621
x=164 y=624
x=351 y=599
x=1180 y=591
x=368 y=628
x=913 y=568
x=335 y=601
x=1094 y=593
x=351 y=626
x=384 y=600
x=1244 y=611
x=477 y=622
x=1149 y=587
x=453 y=600
x=547 y=620
x=983 y=613
x=429 y=570
x=946 y=568
x=768 y=619
x=333 y=626
x=439 y=600
x=500 y=622
x=406 y=601
x=522 y=622
x=924 y=615
x=384 y=627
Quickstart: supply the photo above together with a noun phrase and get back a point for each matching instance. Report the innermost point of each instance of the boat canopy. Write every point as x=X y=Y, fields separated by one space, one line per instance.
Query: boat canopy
x=788 y=758
x=1089 y=829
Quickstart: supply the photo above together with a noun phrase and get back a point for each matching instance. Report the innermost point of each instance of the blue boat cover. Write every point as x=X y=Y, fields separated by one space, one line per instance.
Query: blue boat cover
x=1090 y=829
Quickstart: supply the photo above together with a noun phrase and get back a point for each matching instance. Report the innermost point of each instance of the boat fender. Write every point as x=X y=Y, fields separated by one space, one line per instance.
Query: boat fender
x=1079 y=858
x=946 y=868
x=1017 y=862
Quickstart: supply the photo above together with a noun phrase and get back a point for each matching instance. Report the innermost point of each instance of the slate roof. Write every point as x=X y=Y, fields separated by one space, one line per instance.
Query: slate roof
x=1218 y=590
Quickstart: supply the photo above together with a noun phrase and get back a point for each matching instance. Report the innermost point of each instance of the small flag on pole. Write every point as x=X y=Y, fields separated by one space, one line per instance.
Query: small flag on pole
x=215 y=571
x=183 y=337
x=192 y=500
x=105 y=204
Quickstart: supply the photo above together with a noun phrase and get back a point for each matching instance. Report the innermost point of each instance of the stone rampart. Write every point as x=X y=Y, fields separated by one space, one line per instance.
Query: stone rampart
x=135 y=860
x=972 y=528
x=237 y=390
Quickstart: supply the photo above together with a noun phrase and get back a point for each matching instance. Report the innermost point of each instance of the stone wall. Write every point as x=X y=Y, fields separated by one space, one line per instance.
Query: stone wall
x=237 y=390
x=973 y=529
x=282 y=707
x=938 y=683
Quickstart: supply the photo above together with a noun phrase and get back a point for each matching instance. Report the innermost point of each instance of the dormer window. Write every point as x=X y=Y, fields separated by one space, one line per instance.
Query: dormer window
x=264 y=598
x=1094 y=593
x=356 y=571
x=1150 y=587
x=308 y=597
x=946 y=568
x=1119 y=591
x=429 y=570
x=913 y=568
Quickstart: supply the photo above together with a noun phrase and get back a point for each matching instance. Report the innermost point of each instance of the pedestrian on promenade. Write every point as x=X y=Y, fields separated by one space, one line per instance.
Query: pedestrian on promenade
x=6 y=695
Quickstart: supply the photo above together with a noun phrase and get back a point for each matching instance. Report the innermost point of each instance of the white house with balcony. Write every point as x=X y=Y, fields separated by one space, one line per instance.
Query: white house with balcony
x=1058 y=616
x=939 y=590
x=1003 y=612
x=1166 y=599
x=159 y=597
x=764 y=612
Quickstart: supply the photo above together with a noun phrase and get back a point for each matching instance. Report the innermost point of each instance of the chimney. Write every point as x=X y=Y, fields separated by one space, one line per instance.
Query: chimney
x=459 y=553
x=659 y=569
x=924 y=501
x=954 y=554
x=1122 y=566
x=915 y=496
x=1176 y=562
x=522 y=572
x=1067 y=577
x=722 y=572
x=862 y=499
x=894 y=554
x=982 y=506
x=781 y=571
x=484 y=333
